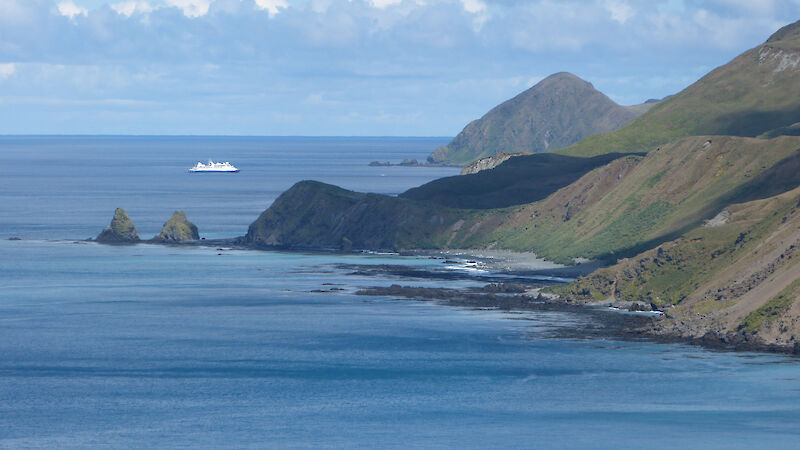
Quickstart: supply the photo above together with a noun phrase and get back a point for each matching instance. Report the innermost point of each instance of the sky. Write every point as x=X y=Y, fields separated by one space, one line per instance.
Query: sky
x=344 y=67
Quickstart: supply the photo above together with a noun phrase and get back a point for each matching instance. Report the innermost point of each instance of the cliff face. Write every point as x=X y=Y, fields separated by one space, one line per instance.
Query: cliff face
x=178 y=229
x=120 y=231
x=559 y=111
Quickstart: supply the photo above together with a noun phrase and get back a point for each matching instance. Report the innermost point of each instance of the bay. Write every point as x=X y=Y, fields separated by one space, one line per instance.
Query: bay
x=153 y=346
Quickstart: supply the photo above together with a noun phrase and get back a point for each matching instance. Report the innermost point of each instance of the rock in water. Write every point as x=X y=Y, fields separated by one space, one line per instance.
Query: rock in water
x=120 y=231
x=178 y=229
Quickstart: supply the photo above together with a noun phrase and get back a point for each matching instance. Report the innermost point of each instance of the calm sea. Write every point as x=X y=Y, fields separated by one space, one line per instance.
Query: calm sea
x=148 y=346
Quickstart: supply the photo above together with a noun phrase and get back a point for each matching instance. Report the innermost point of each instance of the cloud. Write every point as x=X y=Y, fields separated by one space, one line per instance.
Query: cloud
x=474 y=6
x=380 y=4
x=438 y=63
x=129 y=8
x=191 y=8
x=7 y=69
x=69 y=9
x=273 y=7
x=620 y=11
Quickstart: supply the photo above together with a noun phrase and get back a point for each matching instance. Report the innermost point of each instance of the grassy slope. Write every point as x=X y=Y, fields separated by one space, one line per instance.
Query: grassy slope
x=758 y=93
x=636 y=203
x=522 y=179
x=619 y=209
x=740 y=279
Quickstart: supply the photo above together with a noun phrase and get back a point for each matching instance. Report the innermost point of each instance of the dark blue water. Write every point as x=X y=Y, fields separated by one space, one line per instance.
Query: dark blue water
x=68 y=187
x=148 y=346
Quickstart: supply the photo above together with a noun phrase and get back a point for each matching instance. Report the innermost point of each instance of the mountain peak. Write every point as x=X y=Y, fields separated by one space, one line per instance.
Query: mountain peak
x=562 y=79
x=558 y=111
x=786 y=33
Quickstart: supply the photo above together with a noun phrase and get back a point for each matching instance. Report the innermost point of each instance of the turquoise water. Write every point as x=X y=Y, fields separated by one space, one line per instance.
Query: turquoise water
x=149 y=346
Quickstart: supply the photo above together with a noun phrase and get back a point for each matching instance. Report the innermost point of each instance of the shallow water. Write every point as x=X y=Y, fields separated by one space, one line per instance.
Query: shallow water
x=153 y=346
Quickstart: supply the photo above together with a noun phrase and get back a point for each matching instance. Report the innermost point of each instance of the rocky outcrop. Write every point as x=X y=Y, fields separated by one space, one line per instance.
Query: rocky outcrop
x=121 y=230
x=559 y=111
x=488 y=163
x=178 y=229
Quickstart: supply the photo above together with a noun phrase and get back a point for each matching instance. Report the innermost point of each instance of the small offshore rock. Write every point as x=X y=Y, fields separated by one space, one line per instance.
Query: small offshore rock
x=178 y=229
x=121 y=230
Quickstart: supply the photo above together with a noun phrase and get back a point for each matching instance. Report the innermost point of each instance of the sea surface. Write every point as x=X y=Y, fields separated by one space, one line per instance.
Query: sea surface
x=150 y=346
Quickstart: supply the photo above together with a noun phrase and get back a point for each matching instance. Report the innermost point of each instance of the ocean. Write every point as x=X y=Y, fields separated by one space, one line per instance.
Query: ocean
x=153 y=346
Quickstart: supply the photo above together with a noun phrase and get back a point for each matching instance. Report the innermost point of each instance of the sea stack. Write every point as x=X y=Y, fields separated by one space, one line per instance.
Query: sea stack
x=178 y=229
x=121 y=230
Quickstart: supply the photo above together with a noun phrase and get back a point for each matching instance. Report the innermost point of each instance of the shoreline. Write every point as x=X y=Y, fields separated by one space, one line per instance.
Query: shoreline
x=621 y=325
x=517 y=267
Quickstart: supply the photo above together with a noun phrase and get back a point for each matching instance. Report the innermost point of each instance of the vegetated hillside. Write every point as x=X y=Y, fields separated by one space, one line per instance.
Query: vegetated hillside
x=522 y=179
x=619 y=209
x=756 y=94
x=318 y=215
x=736 y=278
x=635 y=203
x=559 y=111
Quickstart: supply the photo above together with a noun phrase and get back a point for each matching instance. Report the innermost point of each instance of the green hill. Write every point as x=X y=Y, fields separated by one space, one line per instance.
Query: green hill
x=735 y=279
x=756 y=94
x=635 y=203
x=559 y=111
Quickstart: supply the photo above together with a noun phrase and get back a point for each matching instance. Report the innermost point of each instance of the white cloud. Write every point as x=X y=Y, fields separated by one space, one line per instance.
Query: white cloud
x=384 y=3
x=473 y=6
x=191 y=8
x=7 y=69
x=69 y=9
x=620 y=11
x=130 y=7
x=272 y=6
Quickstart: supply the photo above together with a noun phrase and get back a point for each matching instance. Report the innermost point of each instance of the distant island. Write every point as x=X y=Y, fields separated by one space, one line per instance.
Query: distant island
x=692 y=208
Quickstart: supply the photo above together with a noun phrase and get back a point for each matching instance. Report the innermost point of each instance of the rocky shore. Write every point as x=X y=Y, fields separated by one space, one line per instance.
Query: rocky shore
x=606 y=322
x=514 y=281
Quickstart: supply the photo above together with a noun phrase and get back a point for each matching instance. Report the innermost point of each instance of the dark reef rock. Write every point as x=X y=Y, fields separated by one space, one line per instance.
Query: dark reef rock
x=121 y=230
x=178 y=229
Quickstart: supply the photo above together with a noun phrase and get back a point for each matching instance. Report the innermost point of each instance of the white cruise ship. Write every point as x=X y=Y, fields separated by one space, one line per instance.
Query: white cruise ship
x=214 y=167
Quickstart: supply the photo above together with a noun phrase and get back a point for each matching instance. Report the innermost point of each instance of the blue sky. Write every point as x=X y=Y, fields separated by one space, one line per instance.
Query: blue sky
x=344 y=67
